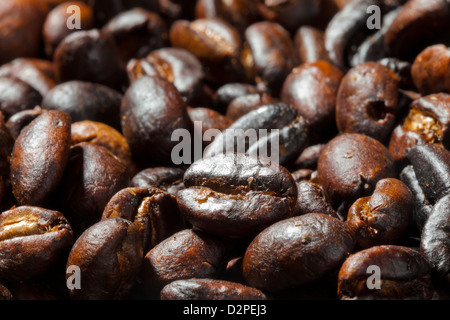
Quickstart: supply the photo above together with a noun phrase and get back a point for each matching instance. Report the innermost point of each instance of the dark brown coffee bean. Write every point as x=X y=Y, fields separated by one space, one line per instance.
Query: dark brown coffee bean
x=310 y=46
x=402 y=273
x=136 y=32
x=176 y=65
x=402 y=69
x=155 y=210
x=17 y=95
x=86 y=101
x=236 y=195
x=312 y=89
x=269 y=55
x=106 y=136
x=309 y=157
x=32 y=239
x=186 y=254
x=39 y=157
x=312 y=198
x=418 y=24
x=431 y=165
x=422 y=207
x=275 y=127
x=21 y=119
x=152 y=109
x=239 y=13
x=215 y=42
x=434 y=243
x=37 y=73
x=244 y=104
x=209 y=289
x=230 y=91
x=92 y=176
x=5 y=294
x=21 y=23
x=55 y=27
x=367 y=101
x=88 y=56
x=296 y=251
x=109 y=256
x=208 y=119
x=430 y=70
x=384 y=217
x=291 y=14
x=6 y=147
x=169 y=179
x=427 y=122
x=351 y=165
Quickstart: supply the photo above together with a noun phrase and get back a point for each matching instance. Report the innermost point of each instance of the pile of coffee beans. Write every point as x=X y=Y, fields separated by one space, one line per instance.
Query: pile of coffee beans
x=224 y=149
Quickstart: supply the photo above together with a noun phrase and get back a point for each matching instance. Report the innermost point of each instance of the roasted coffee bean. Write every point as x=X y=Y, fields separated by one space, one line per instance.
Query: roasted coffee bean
x=349 y=28
x=5 y=294
x=55 y=27
x=344 y=30
x=106 y=136
x=296 y=251
x=32 y=239
x=109 y=257
x=403 y=71
x=136 y=33
x=431 y=165
x=230 y=91
x=244 y=104
x=37 y=73
x=186 y=254
x=430 y=70
x=268 y=55
x=291 y=14
x=310 y=46
x=209 y=289
x=21 y=23
x=215 y=42
x=422 y=207
x=239 y=13
x=384 y=217
x=403 y=271
x=373 y=47
x=169 y=179
x=276 y=127
x=89 y=56
x=367 y=101
x=350 y=166
x=309 y=157
x=236 y=195
x=152 y=109
x=208 y=119
x=419 y=23
x=154 y=210
x=40 y=156
x=434 y=243
x=21 y=119
x=427 y=122
x=312 y=89
x=312 y=198
x=17 y=95
x=92 y=176
x=176 y=65
x=86 y=101
x=6 y=146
